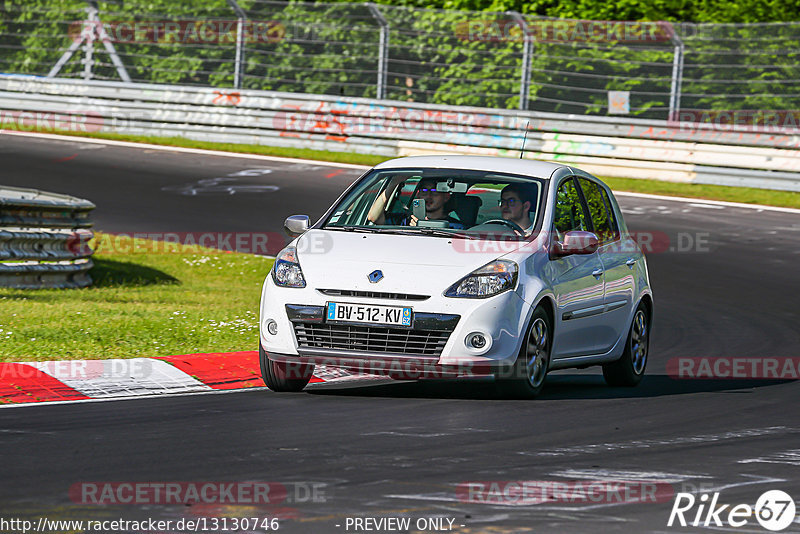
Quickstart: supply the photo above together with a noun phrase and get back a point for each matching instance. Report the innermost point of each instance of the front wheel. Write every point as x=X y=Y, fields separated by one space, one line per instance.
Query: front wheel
x=533 y=361
x=629 y=370
x=281 y=376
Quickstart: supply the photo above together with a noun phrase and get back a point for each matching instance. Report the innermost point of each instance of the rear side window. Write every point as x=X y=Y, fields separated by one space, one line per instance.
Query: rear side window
x=600 y=211
x=569 y=212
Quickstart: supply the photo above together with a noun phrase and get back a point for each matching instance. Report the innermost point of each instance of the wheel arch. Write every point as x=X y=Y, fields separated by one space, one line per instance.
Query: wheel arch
x=549 y=306
x=647 y=300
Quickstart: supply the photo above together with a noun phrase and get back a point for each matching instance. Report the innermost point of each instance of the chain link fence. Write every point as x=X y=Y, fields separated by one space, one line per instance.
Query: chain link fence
x=501 y=60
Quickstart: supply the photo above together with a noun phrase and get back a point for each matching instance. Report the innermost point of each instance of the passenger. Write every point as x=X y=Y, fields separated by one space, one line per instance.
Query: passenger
x=515 y=206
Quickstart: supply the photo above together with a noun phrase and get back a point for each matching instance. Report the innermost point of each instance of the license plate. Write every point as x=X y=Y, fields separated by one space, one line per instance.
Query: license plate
x=368 y=313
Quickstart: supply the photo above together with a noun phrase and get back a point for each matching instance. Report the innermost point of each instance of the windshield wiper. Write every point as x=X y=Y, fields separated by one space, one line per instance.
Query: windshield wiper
x=362 y=229
x=407 y=230
x=430 y=231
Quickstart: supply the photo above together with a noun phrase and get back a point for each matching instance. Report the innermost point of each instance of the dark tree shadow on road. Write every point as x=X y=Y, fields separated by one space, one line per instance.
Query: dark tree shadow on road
x=110 y=273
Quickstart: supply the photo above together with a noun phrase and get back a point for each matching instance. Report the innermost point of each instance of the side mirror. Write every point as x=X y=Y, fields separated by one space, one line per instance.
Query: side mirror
x=575 y=242
x=296 y=225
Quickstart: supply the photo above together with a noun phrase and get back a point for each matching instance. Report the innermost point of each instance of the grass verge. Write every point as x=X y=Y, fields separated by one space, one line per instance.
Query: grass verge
x=745 y=195
x=150 y=301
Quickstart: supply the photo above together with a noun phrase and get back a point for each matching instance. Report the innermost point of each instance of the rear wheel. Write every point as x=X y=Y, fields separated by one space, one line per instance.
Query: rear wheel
x=281 y=376
x=629 y=370
x=533 y=362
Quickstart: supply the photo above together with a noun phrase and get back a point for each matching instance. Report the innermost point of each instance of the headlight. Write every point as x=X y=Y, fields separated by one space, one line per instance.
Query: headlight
x=286 y=272
x=489 y=280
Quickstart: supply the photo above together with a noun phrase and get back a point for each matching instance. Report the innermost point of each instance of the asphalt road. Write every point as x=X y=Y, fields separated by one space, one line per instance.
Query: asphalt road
x=403 y=449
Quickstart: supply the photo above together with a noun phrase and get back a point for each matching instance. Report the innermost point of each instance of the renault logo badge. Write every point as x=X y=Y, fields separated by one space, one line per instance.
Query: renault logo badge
x=375 y=276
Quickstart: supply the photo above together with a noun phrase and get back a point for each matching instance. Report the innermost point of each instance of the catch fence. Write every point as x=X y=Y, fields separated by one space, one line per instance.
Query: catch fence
x=650 y=70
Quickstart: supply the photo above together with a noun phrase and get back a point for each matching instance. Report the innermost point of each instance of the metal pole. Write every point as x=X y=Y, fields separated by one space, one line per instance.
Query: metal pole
x=102 y=34
x=677 y=77
x=238 y=67
x=85 y=31
x=383 y=49
x=88 y=45
x=527 y=54
x=68 y=54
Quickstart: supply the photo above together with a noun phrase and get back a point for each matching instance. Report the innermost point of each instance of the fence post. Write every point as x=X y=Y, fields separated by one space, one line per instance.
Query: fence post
x=677 y=77
x=527 y=53
x=238 y=67
x=91 y=26
x=383 y=49
x=88 y=44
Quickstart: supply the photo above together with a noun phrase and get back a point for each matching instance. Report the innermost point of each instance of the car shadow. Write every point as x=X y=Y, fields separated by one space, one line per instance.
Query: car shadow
x=557 y=387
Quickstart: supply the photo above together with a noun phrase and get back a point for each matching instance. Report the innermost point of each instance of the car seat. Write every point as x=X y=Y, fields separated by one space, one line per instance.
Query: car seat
x=466 y=207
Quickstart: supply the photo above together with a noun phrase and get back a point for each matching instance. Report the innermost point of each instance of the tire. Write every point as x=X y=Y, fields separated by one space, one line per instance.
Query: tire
x=283 y=377
x=530 y=370
x=629 y=370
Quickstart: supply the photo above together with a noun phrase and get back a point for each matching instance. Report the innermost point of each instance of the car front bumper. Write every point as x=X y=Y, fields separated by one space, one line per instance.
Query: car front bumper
x=436 y=344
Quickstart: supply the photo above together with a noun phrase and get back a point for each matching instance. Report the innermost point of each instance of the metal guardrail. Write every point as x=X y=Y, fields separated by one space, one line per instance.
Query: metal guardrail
x=610 y=146
x=44 y=239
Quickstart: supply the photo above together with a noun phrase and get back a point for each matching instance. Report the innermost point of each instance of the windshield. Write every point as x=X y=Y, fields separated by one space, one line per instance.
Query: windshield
x=441 y=202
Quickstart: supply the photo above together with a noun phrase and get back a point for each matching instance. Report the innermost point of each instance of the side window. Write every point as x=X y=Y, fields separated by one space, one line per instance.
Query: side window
x=569 y=212
x=611 y=218
x=602 y=220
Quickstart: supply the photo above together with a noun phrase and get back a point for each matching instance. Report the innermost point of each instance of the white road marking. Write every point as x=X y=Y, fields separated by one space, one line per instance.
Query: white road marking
x=628 y=476
x=184 y=150
x=597 y=448
x=140 y=397
x=707 y=206
x=790 y=457
x=756 y=207
x=139 y=377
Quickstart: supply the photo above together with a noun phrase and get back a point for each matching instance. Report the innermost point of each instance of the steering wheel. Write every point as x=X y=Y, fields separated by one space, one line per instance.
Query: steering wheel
x=514 y=226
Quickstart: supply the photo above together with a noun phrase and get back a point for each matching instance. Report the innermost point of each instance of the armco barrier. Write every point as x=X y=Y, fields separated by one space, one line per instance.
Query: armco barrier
x=609 y=146
x=44 y=239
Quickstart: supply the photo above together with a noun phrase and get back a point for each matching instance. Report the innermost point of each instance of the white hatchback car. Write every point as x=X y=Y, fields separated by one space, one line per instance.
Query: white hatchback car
x=451 y=266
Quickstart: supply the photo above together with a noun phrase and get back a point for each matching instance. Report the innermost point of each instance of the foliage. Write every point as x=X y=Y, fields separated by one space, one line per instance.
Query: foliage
x=435 y=56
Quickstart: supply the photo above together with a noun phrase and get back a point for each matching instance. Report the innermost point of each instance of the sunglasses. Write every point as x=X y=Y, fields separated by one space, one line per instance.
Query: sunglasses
x=510 y=201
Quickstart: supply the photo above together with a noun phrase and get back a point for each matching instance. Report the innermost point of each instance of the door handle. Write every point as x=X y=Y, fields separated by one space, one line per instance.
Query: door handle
x=597 y=273
x=630 y=263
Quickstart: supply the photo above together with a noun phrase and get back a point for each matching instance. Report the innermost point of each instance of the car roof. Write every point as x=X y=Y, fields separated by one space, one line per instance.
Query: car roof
x=525 y=167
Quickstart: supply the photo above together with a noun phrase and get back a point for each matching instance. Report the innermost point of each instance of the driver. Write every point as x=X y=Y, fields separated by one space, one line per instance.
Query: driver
x=515 y=206
x=435 y=205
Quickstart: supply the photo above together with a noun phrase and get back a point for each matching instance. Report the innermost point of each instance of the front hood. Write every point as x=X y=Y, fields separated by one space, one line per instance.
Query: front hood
x=427 y=265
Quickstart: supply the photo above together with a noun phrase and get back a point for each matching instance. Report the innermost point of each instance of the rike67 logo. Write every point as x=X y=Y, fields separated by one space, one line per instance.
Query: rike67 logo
x=774 y=510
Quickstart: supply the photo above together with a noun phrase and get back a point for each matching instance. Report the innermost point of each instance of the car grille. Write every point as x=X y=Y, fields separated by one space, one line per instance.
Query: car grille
x=372 y=294
x=372 y=339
